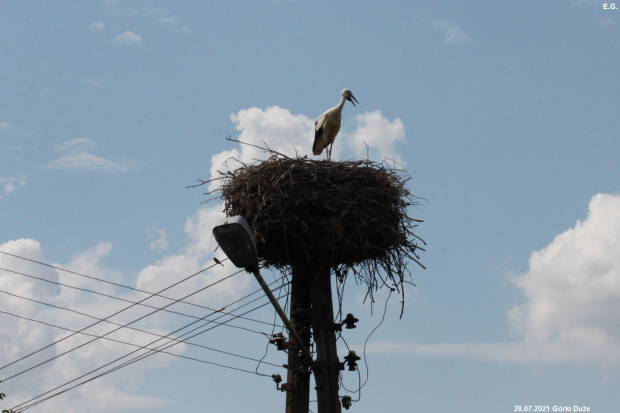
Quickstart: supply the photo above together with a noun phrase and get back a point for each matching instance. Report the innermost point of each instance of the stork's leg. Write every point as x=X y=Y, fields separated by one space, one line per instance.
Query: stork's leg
x=329 y=151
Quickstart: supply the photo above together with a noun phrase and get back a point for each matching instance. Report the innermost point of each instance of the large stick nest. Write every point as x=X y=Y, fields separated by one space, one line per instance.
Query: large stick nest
x=350 y=215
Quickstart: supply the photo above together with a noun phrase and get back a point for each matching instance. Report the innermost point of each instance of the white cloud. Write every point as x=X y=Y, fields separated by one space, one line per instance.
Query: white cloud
x=19 y=337
x=87 y=161
x=197 y=254
x=8 y=185
x=4 y=127
x=452 y=34
x=128 y=37
x=18 y=284
x=572 y=286
x=274 y=127
x=158 y=237
x=377 y=136
x=290 y=134
x=97 y=26
x=76 y=145
x=572 y=309
x=80 y=158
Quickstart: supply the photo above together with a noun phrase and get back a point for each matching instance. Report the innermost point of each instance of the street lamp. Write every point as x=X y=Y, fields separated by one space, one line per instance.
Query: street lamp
x=234 y=236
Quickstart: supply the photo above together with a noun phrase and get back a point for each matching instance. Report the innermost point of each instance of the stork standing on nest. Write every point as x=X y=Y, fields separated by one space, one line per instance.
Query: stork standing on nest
x=328 y=125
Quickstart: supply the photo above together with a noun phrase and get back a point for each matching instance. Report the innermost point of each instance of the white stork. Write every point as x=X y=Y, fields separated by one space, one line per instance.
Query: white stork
x=328 y=125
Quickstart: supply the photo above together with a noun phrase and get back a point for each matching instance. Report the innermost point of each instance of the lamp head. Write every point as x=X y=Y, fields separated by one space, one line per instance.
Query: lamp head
x=234 y=236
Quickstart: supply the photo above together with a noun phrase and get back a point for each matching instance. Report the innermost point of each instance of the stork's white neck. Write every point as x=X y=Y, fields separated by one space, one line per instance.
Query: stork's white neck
x=341 y=104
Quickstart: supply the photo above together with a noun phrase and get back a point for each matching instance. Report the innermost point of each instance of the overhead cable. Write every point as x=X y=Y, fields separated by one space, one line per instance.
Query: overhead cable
x=127 y=324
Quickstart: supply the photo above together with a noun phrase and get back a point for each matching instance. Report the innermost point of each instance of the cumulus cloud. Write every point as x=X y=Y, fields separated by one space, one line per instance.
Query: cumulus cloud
x=19 y=336
x=452 y=34
x=127 y=38
x=274 y=127
x=572 y=287
x=22 y=336
x=77 y=156
x=20 y=285
x=571 y=313
x=193 y=258
x=376 y=136
x=292 y=135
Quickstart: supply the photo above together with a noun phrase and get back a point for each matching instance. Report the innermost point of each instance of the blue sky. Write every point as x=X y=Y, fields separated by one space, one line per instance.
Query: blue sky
x=505 y=115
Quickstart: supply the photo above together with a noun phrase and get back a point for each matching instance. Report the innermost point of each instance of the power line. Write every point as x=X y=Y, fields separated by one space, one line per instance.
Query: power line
x=154 y=351
x=139 y=330
x=111 y=322
x=125 y=325
x=172 y=343
x=24 y=406
x=140 y=357
x=65 y=309
x=111 y=282
x=131 y=328
x=111 y=339
x=137 y=345
x=171 y=340
x=177 y=341
x=119 y=298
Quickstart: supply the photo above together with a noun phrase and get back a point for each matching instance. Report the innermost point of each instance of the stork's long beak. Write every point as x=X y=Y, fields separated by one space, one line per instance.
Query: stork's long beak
x=351 y=99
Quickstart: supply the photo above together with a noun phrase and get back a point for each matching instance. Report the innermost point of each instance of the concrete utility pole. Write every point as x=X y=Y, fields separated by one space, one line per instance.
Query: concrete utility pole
x=324 y=330
x=311 y=305
x=298 y=377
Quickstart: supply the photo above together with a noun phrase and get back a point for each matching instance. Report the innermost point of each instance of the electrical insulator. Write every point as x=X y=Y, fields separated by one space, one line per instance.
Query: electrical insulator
x=351 y=360
x=350 y=321
x=277 y=379
x=278 y=339
x=346 y=402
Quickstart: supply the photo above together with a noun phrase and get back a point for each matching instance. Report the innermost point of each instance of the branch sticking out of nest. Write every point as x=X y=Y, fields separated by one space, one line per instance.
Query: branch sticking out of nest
x=349 y=215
